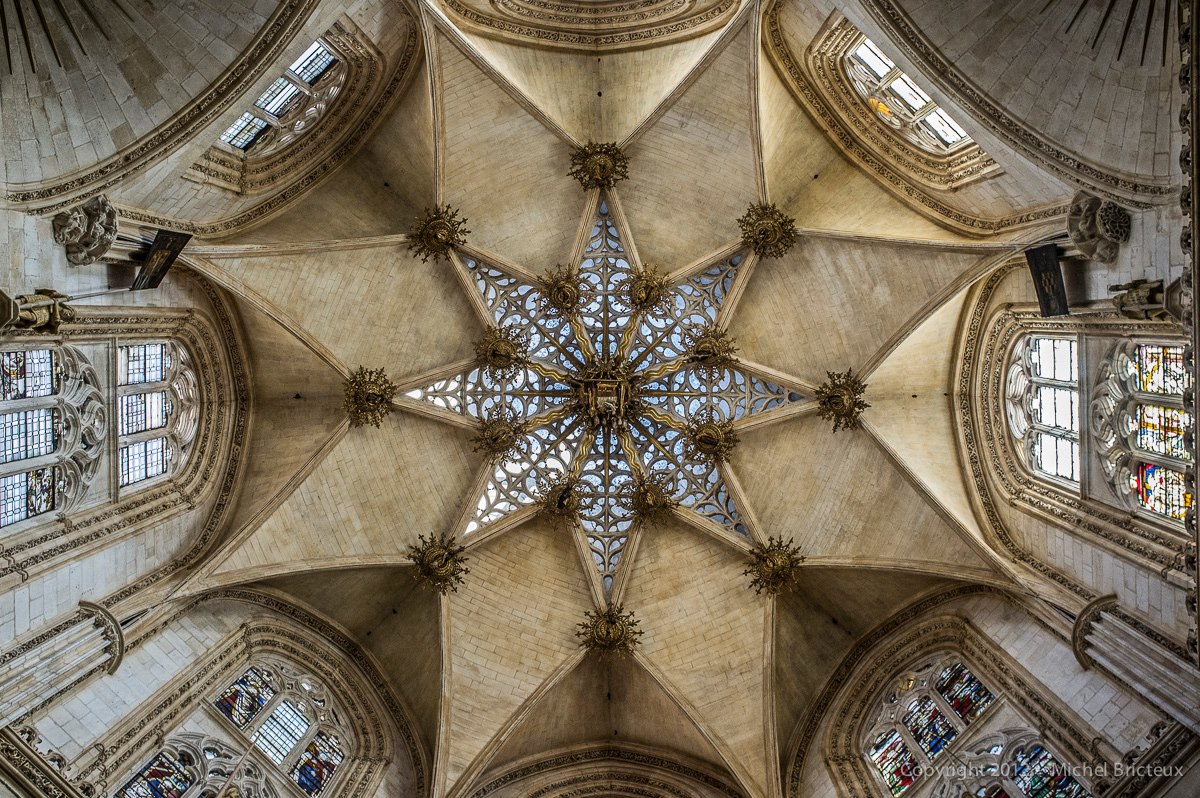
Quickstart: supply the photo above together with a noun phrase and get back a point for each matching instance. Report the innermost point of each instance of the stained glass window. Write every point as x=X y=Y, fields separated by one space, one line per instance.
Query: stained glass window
x=26 y=494
x=929 y=727
x=314 y=63
x=27 y=433
x=1161 y=490
x=900 y=102
x=1160 y=430
x=1039 y=775
x=966 y=694
x=995 y=791
x=894 y=760
x=243 y=699
x=26 y=375
x=1160 y=369
x=244 y=131
x=163 y=777
x=316 y=764
x=280 y=732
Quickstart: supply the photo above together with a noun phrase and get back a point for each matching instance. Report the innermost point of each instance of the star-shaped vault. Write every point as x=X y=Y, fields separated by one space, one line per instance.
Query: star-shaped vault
x=624 y=398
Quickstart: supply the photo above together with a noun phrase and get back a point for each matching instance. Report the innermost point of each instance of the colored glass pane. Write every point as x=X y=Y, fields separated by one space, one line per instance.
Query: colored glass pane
x=1160 y=369
x=243 y=699
x=316 y=764
x=929 y=727
x=966 y=695
x=163 y=777
x=1161 y=490
x=25 y=375
x=1160 y=430
x=280 y=732
x=995 y=791
x=26 y=494
x=1039 y=775
x=894 y=760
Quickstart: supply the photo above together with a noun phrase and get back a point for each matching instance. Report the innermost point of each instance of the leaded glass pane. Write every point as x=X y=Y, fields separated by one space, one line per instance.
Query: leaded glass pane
x=1160 y=431
x=315 y=61
x=163 y=777
x=1160 y=369
x=1056 y=407
x=243 y=699
x=995 y=791
x=244 y=131
x=873 y=58
x=27 y=433
x=28 y=374
x=142 y=363
x=944 y=127
x=910 y=93
x=1055 y=455
x=1161 y=490
x=317 y=763
x=142 y=411
x=26 y=494
x=280 y=732
x=894 y=760
x=143 y=459
x=929 y=726
x=966 y=694
x=278 y=96
x=1039 y=775
x=1054 y=359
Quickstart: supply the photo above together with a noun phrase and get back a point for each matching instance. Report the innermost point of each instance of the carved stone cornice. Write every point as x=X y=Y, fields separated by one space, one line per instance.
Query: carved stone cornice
x=113 y=634
x=28 y=769
x=943 y=73
x=238 y=79
x=896 y=180
x=578 y=24
x=1083 y=627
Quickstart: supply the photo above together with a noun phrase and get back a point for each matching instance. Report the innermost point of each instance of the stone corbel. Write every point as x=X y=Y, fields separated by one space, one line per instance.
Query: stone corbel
x=1097 y=227
x=87 y=231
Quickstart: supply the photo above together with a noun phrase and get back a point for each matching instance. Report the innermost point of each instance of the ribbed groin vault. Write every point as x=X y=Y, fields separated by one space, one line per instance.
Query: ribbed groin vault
x=607 y=398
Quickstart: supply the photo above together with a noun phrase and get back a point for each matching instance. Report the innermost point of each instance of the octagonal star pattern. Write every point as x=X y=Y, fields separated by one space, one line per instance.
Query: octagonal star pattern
x=606 y=393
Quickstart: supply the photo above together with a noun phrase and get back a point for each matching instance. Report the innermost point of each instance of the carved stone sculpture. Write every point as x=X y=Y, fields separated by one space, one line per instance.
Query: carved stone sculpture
x=1097 y=227
x=437 y=232
x=87 y=231
x=501 y=437
x=649 y=498
x=503 y=351
x=709 y=438
x=43 y=311
x=1144 y=299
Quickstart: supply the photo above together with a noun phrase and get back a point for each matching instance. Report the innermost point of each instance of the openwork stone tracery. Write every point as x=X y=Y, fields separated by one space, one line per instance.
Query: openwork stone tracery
x=617 y=408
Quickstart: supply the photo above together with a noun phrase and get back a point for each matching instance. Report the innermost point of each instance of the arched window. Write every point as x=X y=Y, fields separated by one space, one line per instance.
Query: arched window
x=1010 y=764
x=197 y=766
x=1139 y=424
x=919 y=718
x=1042 y=394
x=54 y=422
x=290 y=104
x=1036 y=773
x=157 y=409
x=899 y=102
x=287 y=719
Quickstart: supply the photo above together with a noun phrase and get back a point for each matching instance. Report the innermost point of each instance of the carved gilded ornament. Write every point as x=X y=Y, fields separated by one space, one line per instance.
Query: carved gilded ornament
x=503 y=351
x=710 y=438
x=558 y=498
x=839 y=399
x=774 y=566
x=501 y=437
x=649 y=497
x=437 y=232
x=562 y=291
x=767 y=230
x=439 y=563
x=369 y=395
x=599 y=165
x=86 y=231
x=646 y=290
x=609 y=631
x=711 y=350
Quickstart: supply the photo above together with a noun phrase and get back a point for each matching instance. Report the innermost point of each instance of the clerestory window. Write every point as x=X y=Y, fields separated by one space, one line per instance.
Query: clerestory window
x=288 y=93
x=156 y=409
x=1043 y=404
x=899 y=102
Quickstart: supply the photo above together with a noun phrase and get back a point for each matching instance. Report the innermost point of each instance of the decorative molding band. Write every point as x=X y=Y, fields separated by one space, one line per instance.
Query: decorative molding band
x=580 y=25
x=899 y=183
x=323 y=161
x=20 y=761
x=266 y=48
x=934 y=67
x=1083 y=627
